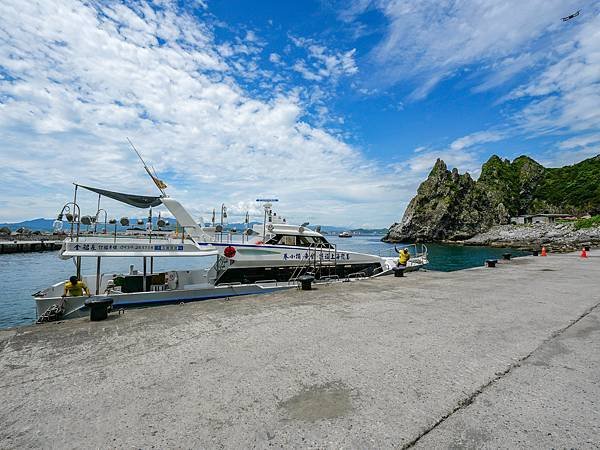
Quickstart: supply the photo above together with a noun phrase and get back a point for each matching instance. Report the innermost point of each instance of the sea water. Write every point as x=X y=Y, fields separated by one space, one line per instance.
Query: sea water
x=22 y=274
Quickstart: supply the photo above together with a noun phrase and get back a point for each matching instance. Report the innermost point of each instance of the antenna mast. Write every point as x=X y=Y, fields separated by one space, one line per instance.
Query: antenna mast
x=159 y=183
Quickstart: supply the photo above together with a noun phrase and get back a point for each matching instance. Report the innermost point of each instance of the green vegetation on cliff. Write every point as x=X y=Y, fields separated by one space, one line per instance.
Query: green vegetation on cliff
x=590 y=222
x=511 y=184
x=573 y=188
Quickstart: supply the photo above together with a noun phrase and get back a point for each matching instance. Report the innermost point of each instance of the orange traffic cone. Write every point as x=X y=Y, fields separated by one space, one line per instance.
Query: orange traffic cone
x=583 y=253
x=544 y=253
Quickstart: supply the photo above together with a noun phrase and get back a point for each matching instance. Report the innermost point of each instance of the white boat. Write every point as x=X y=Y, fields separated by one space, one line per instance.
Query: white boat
x=268 y=257
x=345 y=234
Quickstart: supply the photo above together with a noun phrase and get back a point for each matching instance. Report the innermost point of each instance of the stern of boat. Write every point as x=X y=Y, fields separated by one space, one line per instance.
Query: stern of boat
x=417 y=261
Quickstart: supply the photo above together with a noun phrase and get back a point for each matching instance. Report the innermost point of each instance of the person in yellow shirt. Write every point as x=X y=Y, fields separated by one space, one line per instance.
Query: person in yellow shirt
x=75 y=288
x=403 y=256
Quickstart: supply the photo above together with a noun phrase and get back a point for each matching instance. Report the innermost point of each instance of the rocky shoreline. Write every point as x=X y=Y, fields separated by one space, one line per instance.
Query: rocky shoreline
x=562 y=237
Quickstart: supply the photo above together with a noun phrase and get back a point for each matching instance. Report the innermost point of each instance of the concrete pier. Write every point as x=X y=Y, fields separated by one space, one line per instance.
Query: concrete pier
x=507 y=357
x=29 y=246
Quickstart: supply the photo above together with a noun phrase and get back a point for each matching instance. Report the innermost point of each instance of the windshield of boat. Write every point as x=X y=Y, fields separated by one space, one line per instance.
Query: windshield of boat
x=298 y=241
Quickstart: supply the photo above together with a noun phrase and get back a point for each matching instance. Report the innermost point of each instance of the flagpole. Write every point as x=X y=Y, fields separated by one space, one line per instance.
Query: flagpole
x=154 y=178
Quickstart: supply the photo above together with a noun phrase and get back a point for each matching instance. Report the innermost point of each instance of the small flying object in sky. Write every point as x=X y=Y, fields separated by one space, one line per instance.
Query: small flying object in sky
x=572 y=16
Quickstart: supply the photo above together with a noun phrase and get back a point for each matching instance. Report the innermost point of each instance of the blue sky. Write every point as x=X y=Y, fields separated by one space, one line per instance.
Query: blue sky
x=337 y=108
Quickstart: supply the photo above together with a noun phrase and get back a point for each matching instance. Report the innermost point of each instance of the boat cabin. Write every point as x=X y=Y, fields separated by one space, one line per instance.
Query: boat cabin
x=298 y=240
x=294 y=236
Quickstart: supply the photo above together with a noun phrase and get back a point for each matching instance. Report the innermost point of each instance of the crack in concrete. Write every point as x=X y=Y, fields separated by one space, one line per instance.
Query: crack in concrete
x=465 y=402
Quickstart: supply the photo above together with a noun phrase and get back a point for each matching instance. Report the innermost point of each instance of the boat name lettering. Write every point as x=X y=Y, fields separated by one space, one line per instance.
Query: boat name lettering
x=127 y=247
x=322 y=256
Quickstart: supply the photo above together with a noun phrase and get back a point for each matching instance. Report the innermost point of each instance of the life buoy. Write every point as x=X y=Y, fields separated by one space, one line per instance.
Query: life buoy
x=172 y=280
x=229 y=252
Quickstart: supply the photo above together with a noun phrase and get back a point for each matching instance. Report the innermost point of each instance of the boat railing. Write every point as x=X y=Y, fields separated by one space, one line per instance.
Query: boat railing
x=115 y=232
x=273 y=281
x=416 y=250
x=230 y=236
x=360 y=274
x=140 y=235
x=112 y=232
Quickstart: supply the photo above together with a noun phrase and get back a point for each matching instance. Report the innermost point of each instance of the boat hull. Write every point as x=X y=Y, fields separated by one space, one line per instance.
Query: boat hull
x=75 y=306
x=251 y=263
x=282 y=273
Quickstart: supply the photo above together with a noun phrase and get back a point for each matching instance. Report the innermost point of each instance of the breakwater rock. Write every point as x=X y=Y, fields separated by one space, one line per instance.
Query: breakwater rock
x=561 y=237
x=22 y=246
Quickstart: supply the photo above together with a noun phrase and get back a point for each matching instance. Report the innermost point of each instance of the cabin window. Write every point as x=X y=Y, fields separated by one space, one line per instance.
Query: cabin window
x=298 y=241
x=305 y=241
x=321 y=240
x=281 y=239
x=287 y=240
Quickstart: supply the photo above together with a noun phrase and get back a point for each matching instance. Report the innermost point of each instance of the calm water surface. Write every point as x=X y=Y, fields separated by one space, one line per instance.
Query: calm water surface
x=26 y=273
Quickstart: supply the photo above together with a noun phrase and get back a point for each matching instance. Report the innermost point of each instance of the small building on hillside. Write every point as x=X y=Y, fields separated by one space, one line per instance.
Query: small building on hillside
x=539 y=218
x=520 y=220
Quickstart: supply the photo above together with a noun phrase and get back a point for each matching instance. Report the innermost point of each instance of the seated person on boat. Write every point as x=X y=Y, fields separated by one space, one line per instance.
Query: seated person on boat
x=75 y=288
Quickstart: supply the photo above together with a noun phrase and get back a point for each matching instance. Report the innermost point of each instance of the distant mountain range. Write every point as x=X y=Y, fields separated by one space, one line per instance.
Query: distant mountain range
x=33 y=225
x=47 y=224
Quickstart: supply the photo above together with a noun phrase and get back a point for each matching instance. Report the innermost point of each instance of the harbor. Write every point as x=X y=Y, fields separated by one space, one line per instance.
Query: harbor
x=502 y=357
x=318 y=224
x=37 y=270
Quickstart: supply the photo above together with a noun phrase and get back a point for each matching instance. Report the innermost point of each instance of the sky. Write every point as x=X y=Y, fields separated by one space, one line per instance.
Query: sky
x=337 y=108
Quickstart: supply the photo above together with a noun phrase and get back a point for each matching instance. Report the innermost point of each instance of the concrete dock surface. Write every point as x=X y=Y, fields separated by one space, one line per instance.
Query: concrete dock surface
x=483 y=358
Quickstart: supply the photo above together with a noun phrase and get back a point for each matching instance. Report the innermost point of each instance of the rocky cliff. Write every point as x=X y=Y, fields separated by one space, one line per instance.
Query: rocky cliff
x=451 y=206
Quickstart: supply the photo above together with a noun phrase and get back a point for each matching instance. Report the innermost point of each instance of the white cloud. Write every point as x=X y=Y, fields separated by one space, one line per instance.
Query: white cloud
x=301 y=67
x=462 y=153
x=566 y=94
x=350 y=10
x=490 y=45
x=322 y=63
x=77 y=80
x=575 y=149
x=581 y=141
x=251 y=36
x=420 y=165
x=480 y=137
x=505 y=69
x=429 y=40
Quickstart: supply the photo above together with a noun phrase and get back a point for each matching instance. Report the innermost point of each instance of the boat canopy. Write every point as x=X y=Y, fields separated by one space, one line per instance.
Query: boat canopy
x=184 y=219
x=139 y=201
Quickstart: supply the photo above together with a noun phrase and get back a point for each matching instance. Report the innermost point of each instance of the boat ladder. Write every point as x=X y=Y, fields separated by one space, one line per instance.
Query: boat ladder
x=321 y=261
